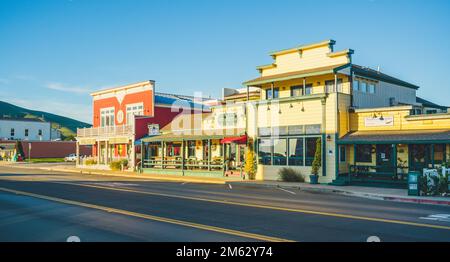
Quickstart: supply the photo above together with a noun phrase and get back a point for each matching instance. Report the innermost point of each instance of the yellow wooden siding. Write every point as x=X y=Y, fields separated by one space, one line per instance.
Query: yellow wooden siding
x=310 y=58
x=400 y=121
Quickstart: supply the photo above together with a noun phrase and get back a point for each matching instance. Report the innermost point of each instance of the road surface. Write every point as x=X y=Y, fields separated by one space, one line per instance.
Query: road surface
x=37 y=205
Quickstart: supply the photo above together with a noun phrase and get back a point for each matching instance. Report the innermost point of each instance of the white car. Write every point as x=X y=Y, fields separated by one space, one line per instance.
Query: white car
x=71 y=158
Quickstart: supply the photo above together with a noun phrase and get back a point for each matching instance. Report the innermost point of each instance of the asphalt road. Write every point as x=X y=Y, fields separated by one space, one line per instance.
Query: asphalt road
x=38 y=205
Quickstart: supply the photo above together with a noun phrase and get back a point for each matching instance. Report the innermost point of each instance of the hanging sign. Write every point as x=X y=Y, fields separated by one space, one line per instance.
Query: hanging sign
x=153 y=129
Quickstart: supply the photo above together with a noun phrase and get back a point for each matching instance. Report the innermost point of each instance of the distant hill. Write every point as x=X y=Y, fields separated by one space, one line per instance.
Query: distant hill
x=67 y=126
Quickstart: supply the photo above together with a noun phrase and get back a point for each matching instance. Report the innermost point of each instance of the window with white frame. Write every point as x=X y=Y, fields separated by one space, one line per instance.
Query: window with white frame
x=134 y=110
x=107 y=117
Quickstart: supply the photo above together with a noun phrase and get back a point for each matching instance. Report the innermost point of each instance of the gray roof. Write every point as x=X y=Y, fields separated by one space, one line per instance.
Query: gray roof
x=368 y=72
x=396 y=137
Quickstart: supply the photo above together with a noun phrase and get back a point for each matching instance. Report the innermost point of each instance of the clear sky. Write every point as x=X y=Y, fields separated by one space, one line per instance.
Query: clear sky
x=53 y=53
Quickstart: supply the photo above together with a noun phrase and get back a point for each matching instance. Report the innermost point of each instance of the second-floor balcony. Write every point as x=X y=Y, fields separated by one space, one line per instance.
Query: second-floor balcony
x=105 y=131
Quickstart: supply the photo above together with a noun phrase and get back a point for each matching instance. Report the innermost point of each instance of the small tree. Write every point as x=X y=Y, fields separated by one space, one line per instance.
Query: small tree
x=317 y=162
x=250 y=163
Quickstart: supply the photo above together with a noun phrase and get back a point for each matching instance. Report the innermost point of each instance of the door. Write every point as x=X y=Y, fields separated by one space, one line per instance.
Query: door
x=384 y=158
x=419 y=157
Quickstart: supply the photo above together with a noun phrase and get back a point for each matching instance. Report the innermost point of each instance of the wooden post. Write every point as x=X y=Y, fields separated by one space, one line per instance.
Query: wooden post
x=162 y=155
x=394 y=156
x=354 y=163
x=304 y=86
x=182 y=156
x=209 y=155
x=432 y=155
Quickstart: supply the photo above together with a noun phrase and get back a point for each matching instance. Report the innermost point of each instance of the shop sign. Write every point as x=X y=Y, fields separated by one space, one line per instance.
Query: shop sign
x=382 y=121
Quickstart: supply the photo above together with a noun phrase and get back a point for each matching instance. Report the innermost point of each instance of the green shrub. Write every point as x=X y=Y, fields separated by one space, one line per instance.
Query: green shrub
x=117 y=165
x=287 y=174
x=317 y=162
x=90 y=162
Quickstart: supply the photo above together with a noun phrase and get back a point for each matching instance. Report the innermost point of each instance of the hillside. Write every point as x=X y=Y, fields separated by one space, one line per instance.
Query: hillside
x=67 y=126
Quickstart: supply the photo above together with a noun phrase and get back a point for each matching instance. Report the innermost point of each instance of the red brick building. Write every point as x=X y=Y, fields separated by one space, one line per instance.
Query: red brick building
x=123 y=114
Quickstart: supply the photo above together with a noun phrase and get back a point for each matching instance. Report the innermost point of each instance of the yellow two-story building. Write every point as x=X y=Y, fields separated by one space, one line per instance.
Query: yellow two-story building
x=372 y=126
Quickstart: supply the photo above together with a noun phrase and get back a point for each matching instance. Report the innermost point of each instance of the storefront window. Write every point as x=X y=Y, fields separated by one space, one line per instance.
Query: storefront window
x=364 y=153
x=265 y=152
x=310 y=150
x=439 y=154
x=191 y=148
x=173 y=149
x=296 y=151
x=279 y=152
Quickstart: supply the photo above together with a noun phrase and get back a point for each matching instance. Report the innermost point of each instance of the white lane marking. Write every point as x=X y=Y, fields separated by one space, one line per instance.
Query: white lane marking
x=230 y=186
x=73 y=239
x=290 y=192
x=373 y=239
x=438 y=217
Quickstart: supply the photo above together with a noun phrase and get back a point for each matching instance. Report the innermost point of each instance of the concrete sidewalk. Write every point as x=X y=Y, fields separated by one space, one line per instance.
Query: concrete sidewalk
x=390 y=194
x=72 y=169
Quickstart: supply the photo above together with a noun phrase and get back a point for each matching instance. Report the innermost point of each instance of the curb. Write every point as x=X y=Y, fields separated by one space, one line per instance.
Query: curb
x=353 y=194
x=153 y=178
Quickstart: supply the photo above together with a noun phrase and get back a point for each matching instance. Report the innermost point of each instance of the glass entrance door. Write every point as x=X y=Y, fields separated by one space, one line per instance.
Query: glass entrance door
x=384 y=158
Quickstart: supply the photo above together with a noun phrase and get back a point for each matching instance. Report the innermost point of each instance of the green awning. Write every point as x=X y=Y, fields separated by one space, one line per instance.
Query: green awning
x=396 y=137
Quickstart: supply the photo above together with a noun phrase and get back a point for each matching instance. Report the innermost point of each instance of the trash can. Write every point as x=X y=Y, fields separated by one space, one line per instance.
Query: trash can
x=413 y=183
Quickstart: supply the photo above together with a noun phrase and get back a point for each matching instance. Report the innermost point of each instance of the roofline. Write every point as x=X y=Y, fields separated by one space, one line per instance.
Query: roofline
x=302 y=47
x=382 y=77
x=108 y=90
x=315 y=73
x=383 y=109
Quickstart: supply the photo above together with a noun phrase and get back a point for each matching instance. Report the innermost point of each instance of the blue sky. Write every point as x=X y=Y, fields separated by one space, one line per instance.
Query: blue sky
x=54 y=52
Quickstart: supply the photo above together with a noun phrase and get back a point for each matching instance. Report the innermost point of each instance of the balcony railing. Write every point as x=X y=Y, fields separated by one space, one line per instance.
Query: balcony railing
x=105 y=131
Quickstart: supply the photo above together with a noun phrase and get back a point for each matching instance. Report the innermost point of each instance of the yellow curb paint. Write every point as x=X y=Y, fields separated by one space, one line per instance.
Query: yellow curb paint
x=374 y=219
x=150 y=217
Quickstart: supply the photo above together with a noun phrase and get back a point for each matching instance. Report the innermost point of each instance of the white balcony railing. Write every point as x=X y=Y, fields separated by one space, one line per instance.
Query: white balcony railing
x=105 y=131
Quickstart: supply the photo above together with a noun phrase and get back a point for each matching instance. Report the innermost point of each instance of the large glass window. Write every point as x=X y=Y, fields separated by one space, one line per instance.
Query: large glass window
x=296 y=151
x=296 y=90
x=355 y=85
x=134 y=110
x=173 y=149
x=265 y=152
x=279 y=152
x=439 y=154
x=310 y=150
x=371 y=88
x=363 y=87
x=191 y=148
x=364 y=153
x=107 y=117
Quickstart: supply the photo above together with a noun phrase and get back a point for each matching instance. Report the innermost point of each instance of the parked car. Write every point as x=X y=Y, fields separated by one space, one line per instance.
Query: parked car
x=71 y=158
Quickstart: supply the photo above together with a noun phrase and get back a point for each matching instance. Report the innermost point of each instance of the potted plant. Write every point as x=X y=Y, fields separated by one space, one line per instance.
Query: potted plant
x=317 y=163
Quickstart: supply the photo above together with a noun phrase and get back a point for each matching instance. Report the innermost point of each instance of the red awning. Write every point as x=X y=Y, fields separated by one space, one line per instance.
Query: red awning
x=235 y=139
